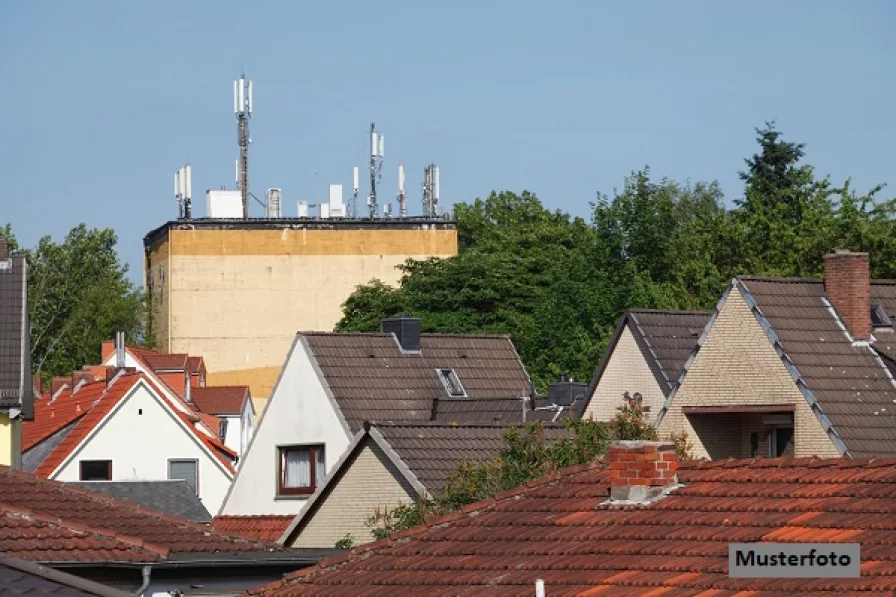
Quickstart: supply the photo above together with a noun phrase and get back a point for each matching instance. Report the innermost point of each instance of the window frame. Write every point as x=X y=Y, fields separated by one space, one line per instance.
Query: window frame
x=81 y=464
x=445 y=374
x=773 y=439
x=194 y=461
x=299 y=492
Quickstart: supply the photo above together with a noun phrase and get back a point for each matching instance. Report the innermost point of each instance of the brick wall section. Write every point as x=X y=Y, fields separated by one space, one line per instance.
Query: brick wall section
x=627 y=371
x=370 y=482
x=641 y=469
x=737 y=365
x=847 y=284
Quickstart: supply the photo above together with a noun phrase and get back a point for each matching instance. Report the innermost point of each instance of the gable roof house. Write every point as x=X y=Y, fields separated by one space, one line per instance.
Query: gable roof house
x=793 y=367
x=123 y=545
x=126 y=427
x=332 y=383
x=591 y=530
x=230 y=409
x=644 y=359
x=386 y=465
x=16 y=393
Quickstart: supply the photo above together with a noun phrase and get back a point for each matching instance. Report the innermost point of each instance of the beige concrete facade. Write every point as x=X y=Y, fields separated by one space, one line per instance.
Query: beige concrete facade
x=625 y=371
x=369 y=482
x=738 y=366
x=237 y=293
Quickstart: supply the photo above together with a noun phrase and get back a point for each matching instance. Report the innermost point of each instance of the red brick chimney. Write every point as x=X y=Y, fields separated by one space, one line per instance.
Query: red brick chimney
x=640 y=470
x=57 y=382
x=108 y=349
x=847 y=284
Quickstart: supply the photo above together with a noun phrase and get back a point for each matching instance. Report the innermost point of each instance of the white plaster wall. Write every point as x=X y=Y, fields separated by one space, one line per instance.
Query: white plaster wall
x=299 y=412
x=247 y=426
x=233 y=434
x=139 y=436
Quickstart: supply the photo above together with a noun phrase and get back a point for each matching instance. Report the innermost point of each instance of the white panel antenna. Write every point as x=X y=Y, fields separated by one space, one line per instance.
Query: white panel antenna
x=377 y=146
x=402 y=199
x=273 y=203
x=242 y=108
x=183 y=185
x=302 y=209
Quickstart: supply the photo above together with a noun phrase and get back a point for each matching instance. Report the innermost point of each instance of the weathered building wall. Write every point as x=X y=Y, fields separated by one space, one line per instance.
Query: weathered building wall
x=237 y=295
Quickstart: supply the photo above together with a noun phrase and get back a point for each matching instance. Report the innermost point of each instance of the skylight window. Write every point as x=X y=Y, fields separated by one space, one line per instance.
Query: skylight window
x=451 y=382
x=879 y=317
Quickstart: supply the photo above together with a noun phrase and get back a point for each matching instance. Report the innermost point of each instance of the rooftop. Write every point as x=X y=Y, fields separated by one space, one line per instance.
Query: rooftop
x=262 y=527
x=560 y=529
x=20 y=577
x=174 y=497
x=220 y=400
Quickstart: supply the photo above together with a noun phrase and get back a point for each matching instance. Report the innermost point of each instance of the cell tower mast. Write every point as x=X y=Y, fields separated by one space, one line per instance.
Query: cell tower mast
x=183 y=191
x=402 y=200
x=242 y=108
x=376 y=165
x=430 y=190
x=356 y=180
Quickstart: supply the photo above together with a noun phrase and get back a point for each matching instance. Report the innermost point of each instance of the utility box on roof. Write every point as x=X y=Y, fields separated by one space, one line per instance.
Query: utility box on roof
x=222 y=203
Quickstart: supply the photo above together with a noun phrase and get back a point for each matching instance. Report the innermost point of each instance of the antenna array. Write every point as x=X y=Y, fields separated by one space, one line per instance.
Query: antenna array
x=183 y=191
x=376 y=166
x=242 y=108
x=430 y=190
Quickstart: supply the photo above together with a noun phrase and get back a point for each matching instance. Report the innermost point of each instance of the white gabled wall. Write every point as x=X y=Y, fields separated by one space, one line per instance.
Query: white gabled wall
x=139 y=436
x=247 y=426
x=299 y=412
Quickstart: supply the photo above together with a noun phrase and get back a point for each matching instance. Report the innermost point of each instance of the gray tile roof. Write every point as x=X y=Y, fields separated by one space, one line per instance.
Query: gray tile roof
x=853 y=386
x=22 y=578
x=433 y=451
x=667 y=338
x=15 y=366
x=171 y=497
x=371 y=379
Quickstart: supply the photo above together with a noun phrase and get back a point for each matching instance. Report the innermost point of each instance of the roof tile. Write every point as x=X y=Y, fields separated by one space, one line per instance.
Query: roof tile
x=266 y=527
x=220 y=400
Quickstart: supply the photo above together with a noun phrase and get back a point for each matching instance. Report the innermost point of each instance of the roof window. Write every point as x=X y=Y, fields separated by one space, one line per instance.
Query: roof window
x=879 y=317
x=451 y=382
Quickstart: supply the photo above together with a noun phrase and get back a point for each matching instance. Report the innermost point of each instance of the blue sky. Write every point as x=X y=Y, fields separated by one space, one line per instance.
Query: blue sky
x=103 y=100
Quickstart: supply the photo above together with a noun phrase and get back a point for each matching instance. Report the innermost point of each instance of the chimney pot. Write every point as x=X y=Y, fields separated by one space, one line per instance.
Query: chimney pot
x=847 y=284
x=641 y=470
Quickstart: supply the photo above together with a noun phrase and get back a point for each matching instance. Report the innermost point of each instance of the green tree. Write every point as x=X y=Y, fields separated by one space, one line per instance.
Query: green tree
x=78 y=296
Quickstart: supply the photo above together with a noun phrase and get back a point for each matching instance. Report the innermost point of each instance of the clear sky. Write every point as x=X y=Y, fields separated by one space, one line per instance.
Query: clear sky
x=103 y=100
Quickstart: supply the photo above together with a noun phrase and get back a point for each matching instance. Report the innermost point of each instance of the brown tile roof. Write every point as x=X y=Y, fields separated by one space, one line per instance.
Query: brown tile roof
x=433 y=451
x=194 y=364
x=463 y=411
x=371 y=380
x=668 y=337
x=558 y=529
x=14 y=351
x=53 y=522
x=264 y=527
x=166 y=362
x=853 y=387
x=220 y=400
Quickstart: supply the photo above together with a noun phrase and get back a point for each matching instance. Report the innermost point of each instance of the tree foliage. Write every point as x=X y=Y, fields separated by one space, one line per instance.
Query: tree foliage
x=557 y=284
x=78 y=296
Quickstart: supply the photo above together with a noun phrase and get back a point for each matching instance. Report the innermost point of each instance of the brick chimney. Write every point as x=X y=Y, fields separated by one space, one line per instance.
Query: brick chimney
x=640 y=470
x=108 y=349
x=847 y=284
x=57 y=382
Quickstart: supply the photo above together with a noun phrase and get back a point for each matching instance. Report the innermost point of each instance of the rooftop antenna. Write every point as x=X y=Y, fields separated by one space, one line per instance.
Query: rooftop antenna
x=356 y=180
x=376 y=165
x=242 y=108
x=430 y=190
x=402 y=201
x=183 y=191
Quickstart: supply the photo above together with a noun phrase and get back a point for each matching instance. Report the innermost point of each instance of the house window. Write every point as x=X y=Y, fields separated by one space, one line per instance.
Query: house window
x=781 y=441
x=186 y=470
x=879 y=317
x=301 y=469
x=96 y=470
x=222 y=429
x=451 y=382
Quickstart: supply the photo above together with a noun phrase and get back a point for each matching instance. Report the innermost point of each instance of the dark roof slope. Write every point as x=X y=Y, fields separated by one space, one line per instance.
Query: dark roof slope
x=220 y=400
x=854 y=388
x=132 y=532
x=262 y=527
x=15 y=368
x=668 y=337
x=20 y=577
x=174 y=497
x=372 y=380
x=433 y=451
x=559 y=529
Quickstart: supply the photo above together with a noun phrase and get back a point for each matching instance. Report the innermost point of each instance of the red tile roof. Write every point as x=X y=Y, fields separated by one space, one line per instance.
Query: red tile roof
x=194 y=364
x=559 y=529
x=167 y=362
x=265 y=527
x=220 y=400
x=54 y=522
x=50 y=417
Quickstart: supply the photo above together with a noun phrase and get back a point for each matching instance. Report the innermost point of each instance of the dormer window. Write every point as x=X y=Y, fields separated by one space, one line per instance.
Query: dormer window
x=451 y=382
x=879 y=317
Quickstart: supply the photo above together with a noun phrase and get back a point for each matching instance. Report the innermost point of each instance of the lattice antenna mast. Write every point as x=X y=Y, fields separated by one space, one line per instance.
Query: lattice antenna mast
x=242 y=108
x=430 y=190
x=376 y=165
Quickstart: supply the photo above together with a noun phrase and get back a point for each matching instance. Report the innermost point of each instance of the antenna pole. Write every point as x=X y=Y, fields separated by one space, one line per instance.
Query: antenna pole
x=371 y=201
x=242 y=103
